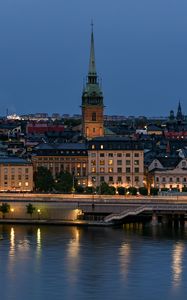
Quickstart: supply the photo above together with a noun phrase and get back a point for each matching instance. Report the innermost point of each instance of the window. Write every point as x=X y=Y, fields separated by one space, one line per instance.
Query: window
x=102 y=155
x=171 y=179
x=119 y=162
x=119 y=155
x=93 y=146
x=94 y=116
x=128 y=162
x=93 y=179
x=111 y=178
x=5 y=177
x=163 y=179
x=102 y=179
x=93 y=169
x=128 y=155
x=136 y=162
x=136 y=178
x=155 y=164
x=12 y=170
x=101 y=146
x=26 y=183
x=110 y=170
x=93 y=129
x=119 y=170
x=12 y=177
x=19 y=177
x=119 y=179
x=157 y=179
x=184 y=179
x=102 y=170
x=110 y=162
x=20 y=183
x=136 y=154
x=178 y=179
x=93 y=162
x=110 y=154
x=93 y=154
x=183 y=164
x=128 y=170
x=128 y=179
x=102 y=162
x=136 y=170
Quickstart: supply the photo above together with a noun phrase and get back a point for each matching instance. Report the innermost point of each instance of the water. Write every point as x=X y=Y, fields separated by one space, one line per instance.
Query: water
x=92 y=263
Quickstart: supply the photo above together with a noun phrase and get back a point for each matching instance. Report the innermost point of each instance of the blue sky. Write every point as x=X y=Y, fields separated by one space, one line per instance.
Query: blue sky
x=141 y=54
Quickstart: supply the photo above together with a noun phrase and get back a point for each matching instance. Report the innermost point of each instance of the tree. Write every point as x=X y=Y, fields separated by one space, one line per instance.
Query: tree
x=184 y=189
x=43 y=180
x=79 y=189
x=105 y=189
x=4 y=208
x=89 y=190
x=64 y=182
x=132 y=190
x=143 y=191
x=121 y=190
x=30 y=209
x=154 y=191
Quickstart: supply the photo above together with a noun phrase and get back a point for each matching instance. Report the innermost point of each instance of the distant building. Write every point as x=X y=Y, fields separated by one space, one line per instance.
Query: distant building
x=43 y=128
x=16 y=175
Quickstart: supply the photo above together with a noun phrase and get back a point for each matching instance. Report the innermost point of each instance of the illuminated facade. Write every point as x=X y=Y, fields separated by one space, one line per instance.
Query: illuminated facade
x=115 y=161
x=16 y=175
x=70 y=157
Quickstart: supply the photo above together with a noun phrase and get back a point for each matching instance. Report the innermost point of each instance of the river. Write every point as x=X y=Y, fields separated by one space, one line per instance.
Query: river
x=56 y=262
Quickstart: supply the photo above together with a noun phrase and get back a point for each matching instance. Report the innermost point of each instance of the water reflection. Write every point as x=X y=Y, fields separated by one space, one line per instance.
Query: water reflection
x=177 y=266
x=74 y=254
x=38 y=248
x=12 y=243
x=124 y=256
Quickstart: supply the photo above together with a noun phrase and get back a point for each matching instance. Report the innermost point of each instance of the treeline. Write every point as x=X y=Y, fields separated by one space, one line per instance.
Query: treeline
x=66 y=183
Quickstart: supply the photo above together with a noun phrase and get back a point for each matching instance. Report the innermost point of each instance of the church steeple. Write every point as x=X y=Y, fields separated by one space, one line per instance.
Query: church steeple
x=92 y=99
x=179 y=112
x=92 y=67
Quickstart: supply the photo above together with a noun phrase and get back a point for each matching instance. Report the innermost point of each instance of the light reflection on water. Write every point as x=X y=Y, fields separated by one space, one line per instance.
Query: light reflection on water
x=92 y=263
x=178 y=252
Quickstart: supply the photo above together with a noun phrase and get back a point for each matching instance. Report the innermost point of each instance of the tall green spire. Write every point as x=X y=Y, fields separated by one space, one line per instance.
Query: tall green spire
x=92 y=74
x=92 y=67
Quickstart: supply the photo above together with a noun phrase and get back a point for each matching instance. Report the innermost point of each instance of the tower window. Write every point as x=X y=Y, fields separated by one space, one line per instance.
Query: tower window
x=94 y=116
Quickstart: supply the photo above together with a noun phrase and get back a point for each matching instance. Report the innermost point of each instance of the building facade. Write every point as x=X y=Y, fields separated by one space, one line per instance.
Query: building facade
x=92 y=101
x=116 y=161
x=70 y=157
x=169 y=173
x=16 y=175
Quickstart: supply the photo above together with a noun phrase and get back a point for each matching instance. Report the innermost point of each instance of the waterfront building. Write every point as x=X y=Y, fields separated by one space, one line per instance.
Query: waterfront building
x=116 y=161
x=16 y=175
x=168 y=173
x=70 y=157
x=92 y=101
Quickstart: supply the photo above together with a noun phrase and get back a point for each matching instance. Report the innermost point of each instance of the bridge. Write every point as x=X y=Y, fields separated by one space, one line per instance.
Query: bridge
x=99 y=208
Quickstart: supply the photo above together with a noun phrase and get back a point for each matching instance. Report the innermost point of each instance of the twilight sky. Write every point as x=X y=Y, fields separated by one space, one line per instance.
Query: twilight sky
x=140 y=45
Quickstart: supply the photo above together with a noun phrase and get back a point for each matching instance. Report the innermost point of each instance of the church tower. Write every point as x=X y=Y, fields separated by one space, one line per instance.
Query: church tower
x=92 y=101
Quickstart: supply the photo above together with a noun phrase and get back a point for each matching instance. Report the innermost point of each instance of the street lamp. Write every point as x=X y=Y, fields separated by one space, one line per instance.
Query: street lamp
x=39 y=211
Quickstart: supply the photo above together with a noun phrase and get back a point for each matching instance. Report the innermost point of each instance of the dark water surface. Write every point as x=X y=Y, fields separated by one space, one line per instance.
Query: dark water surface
x=92 y=263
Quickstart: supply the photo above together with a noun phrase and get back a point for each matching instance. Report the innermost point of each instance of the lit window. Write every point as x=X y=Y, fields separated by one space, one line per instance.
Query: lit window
x=110 y=162
x=26 y=183
x=20 y=183
x=93 y=146
x=101 y=146
x=110 y=170
x=102 y=162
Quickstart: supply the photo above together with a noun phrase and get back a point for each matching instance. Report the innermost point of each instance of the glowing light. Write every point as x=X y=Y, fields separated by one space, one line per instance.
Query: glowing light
x=12 y=210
